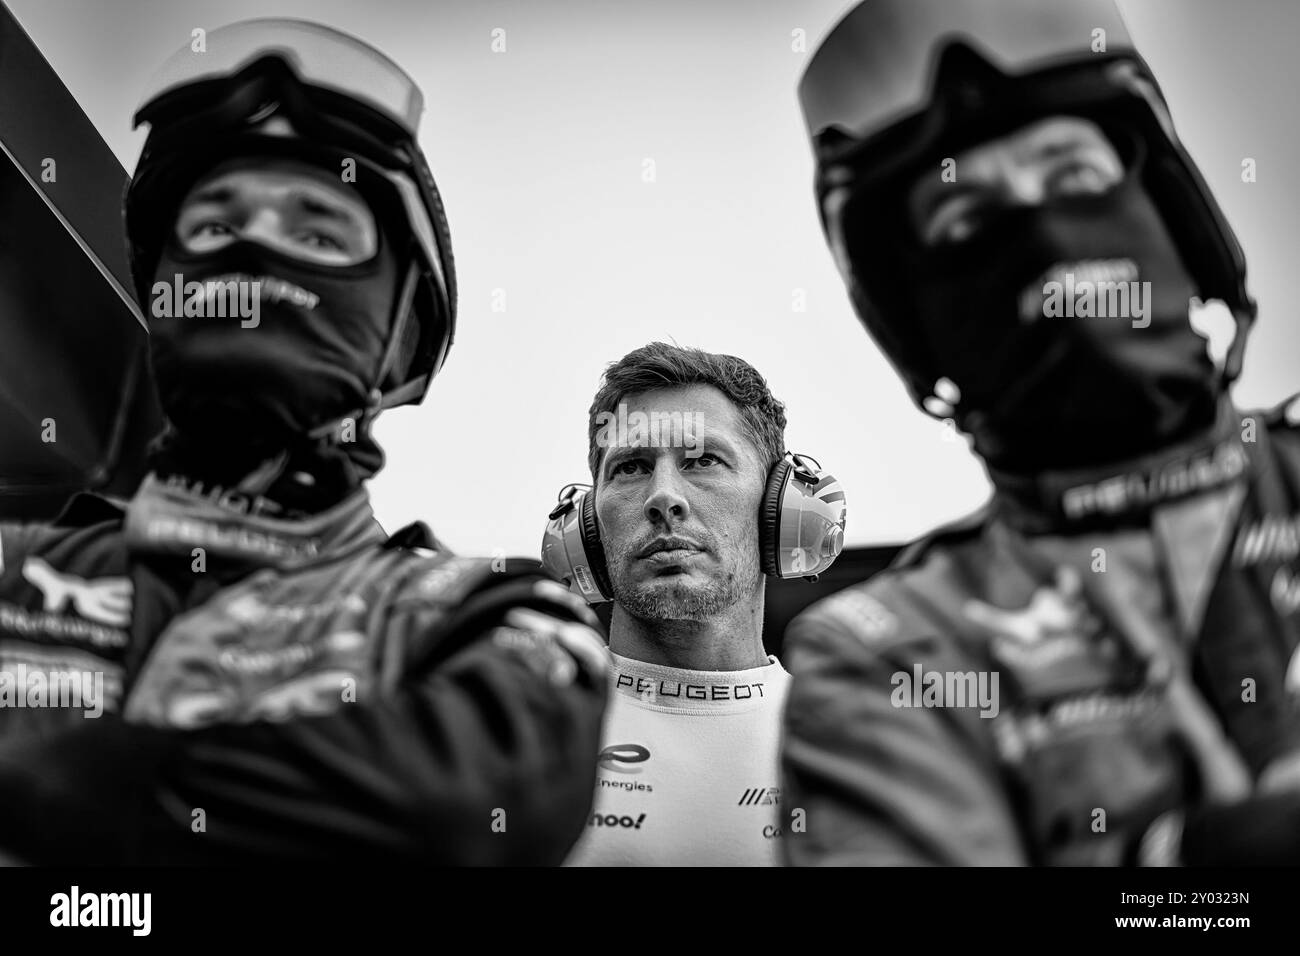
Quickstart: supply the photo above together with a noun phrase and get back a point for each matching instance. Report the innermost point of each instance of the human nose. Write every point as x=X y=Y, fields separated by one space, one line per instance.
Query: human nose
x=1023 y=185
x=666 y=502
x=264 y=226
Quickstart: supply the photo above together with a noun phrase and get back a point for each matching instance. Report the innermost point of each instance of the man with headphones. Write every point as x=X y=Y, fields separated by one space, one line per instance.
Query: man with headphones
x=1022 y=233
x=693 y=500
x=260 y=672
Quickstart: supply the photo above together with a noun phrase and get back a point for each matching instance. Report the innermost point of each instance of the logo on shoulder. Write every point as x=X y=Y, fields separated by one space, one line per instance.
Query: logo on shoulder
x=1055 y=644
x=867 y=617
x=1056 y=621
x=102 y=600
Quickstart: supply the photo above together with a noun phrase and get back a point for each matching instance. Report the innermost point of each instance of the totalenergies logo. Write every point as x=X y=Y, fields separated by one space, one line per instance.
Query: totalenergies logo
x=616 y=757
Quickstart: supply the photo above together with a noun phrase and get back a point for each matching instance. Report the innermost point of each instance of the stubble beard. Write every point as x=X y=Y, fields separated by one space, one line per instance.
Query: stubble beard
x=684 y=598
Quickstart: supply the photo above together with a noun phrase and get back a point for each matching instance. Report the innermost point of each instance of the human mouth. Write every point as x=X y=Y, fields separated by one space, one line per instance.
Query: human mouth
x=669 y=549
x=265 y=288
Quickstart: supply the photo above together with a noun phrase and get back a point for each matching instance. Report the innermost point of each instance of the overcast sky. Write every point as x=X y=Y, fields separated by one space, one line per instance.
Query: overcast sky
x=540 y=151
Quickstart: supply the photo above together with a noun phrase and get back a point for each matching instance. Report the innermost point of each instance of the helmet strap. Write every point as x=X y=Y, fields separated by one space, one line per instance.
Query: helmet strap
x=401 y=319
x=330 y=432
x=1232 y=362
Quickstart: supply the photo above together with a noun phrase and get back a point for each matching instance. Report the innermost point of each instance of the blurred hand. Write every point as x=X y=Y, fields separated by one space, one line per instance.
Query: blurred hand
x=554 y=648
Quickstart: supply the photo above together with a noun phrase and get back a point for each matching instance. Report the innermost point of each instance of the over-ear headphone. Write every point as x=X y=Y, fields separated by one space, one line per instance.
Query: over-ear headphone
x=800 y=529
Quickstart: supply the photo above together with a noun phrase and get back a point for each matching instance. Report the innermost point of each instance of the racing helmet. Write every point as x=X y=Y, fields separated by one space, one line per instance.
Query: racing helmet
x=342 y=99
x=898 y=83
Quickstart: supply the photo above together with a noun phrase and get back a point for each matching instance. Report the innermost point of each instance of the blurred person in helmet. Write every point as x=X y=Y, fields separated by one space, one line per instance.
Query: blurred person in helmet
x=249 y=639
x=694 y=501
x=1100 y=666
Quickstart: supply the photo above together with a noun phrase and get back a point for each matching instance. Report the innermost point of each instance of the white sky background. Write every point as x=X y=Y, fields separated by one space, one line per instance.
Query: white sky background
x=539 y=151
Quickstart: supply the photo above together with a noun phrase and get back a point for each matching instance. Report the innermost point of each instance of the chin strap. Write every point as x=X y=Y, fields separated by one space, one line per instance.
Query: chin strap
x=332 y=431
x=1232 y=362
x=939 y=407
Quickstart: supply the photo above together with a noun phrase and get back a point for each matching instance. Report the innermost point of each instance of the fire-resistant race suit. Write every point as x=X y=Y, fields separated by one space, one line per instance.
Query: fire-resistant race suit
x=296 y=690
x=1026 y=688
x=237 y=664
x=1095 y=668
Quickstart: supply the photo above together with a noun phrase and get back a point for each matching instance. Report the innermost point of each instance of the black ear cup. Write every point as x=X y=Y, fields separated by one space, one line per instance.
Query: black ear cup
x=591 y=544
x=769 y=518
x=771 y=511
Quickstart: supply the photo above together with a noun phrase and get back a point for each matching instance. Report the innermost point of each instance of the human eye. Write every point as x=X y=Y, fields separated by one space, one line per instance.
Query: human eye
x=320 y=240
x=707 y=460
x=209 y=228
x=1078 y=177
x=627 y=468
x=955 y=221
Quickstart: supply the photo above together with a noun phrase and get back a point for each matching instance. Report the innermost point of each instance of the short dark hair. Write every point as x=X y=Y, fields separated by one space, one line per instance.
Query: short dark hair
x=659 y=365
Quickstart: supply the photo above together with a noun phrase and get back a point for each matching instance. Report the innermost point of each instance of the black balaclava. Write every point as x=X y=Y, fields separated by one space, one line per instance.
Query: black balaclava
x=1041 y=393
x=236 y=396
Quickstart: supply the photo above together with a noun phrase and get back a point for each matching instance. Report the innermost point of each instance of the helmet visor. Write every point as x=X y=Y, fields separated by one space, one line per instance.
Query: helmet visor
x=320 y=57
x=877 y=65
